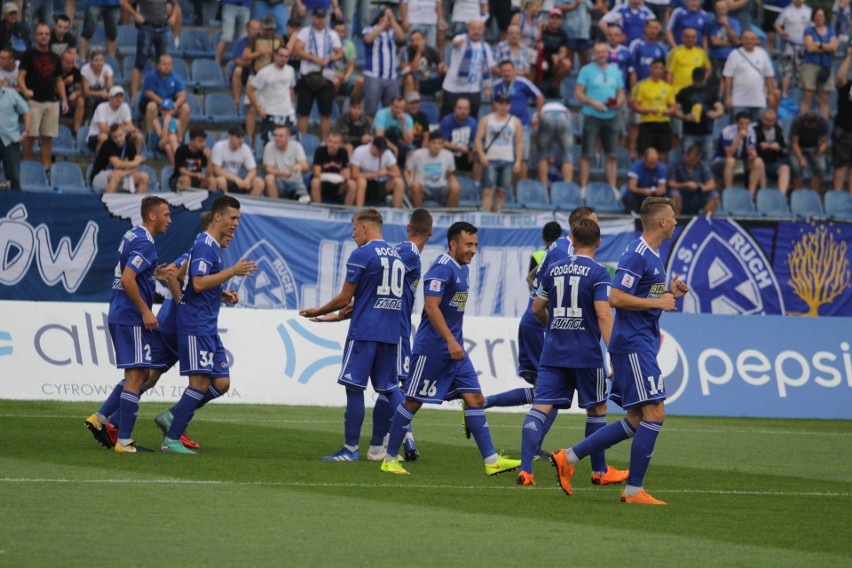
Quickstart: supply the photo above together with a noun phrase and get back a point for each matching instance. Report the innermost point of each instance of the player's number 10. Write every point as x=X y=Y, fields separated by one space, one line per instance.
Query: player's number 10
x=392 y=278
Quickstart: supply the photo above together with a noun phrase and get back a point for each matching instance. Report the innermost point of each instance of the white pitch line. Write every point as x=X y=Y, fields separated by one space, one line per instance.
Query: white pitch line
x=299 y=484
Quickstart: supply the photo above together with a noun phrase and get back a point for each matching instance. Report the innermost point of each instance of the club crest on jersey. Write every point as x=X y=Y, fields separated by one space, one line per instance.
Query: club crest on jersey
x=725 y=269
x=273 y=285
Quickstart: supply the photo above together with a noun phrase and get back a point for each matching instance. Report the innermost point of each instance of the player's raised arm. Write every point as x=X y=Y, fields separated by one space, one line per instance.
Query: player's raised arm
x=337 y=303
x=243 y=267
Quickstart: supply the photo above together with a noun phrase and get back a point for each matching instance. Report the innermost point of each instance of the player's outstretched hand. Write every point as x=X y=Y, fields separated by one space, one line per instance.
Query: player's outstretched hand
x=230 y=297
x=244 y=267
x=329 y=318
x=309 y=313
x=678 y=288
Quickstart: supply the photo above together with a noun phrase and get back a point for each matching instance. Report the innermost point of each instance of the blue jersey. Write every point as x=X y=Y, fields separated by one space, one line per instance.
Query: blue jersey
x=571 y=288
x=521 y=93
x=167 y=316
x=138 y=252
x=621 y=57
x=682 y=19
x=410 y=255
x=558 y=250
x=449 y=281
x=644 y=53
x=640 y=273
x=380 y=275
x=198 y=312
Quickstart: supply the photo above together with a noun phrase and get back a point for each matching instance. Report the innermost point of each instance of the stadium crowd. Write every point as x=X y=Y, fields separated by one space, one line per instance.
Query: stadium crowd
x=444 y=103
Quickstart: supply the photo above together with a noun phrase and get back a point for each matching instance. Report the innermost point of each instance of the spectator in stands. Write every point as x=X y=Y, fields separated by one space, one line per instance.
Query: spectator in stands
x=691 y=185
x=530 y=22
x=381 y=68
x=242 y=65
x=271 y=93
x=809 y=146
x=260 y=51
x=164 y=134
x=740 y=10
x=749 y=79
x=318 y=48
x=653 y=99
x=294 y=26
x=429 y=172
x=285 y=166
x=346 y=80
x=646 y=177
x=513 y=50
x=466 y=11
x=9 y=69
x=376 y=174
x=469 y=73
x=234 y=166
x=643 y=52
x=817 y=71
x=459 y=130
x=555 y=135
x=420 y=132
x=841 y=22
x=331 y=181
x=683 y=59
x=577 y=24
x=521 y=92
x=600 y=89
x=772 y=149
x=723 y=36
x=152 y=34
x=12 y=108
x=274 y=8
x=555 y=64
x=235 y=17
x=113 y=111
x=73 y=89
x=116 y=167
x=14 y=34
x=41 y=84
x=97 y=81
x=424 y=16
x=109 y=11
x=619 y=55
x=736 y=152
x=420 y=65
x=841 y=137
x=40 y=11
x=191 y=161
x=396 y=127
x=162 y=84
x=61 y=39
x=355 y=127
x=698 y=106
x=791 y=24
x=689 y=16
x=630 y=17
x=500 y=148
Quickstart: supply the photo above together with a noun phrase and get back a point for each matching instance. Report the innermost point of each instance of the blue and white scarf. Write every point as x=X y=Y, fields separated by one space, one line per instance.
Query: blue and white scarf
x=313 y=48
x=474 y=61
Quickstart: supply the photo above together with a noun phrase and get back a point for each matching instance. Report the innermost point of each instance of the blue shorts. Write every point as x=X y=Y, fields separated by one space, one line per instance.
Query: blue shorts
x=202 y=355
x=434 y=379
x=530 y=344
x=132 y=344
x=556 y=386
x=369 y=361
x=638 y=380
x=164 y=350
x=579 y=44
x=403 y=359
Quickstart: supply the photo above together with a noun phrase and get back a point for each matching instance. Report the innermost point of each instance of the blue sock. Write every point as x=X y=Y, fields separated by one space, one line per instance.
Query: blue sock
x=478 y=425
x=353 y=418
x=382 y=414
x=548 y=422
x=115 y=415
x=183 y=412
x=400 y=424
x=598 y=457
x=605 y=438
x=113 y=401
x=642 y=450
x=211 y=394
x=129 y=407
x=514 y=397
x=531 y=436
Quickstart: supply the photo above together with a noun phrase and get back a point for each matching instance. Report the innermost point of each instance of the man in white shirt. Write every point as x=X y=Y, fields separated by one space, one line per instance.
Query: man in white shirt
x=229 y=158
x=271 y=93
x=376 y=174
x=791 y=24
x=113 y=111
x=318 y=48
x=469 y=73
x=430 y=172
x=284 y=166
x=749 y=78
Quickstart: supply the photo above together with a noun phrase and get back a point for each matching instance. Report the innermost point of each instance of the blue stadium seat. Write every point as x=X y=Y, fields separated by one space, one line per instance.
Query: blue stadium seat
x=532 y=195
x=117 y=75
x=838 y=204
x=484 y=110
x=259 y=146
x=806 y=203
x=195 y=110
x=33 y=178
x=66 y=177
x=736 y=201
x=63 y=144
x=220 y=107
x=180 y=69
x=602 y=198
x=153 y=184
x=98 y=37
x=772 y=203
x=310 y=142
x=470 y=196
x=207 y=74
x=165 y=176
x=126 y=41
x=566 y=195
x=127 y=67
x=623 y=161
x=432 y=112
x=195 y=44
x=82 y=137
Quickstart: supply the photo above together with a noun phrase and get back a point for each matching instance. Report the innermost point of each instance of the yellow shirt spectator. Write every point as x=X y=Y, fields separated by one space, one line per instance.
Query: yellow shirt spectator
x=682 y=61
x=657 y=95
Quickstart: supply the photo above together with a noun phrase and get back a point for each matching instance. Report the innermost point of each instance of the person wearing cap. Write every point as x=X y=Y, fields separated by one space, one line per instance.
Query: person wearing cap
x=271 y=93
x=420 y=65
x=242 y=66
x=319 y=48
x=97 y=81
x=499 y=146
x=275 y=8
x=234 y=166
x=381 y=66
x=376 y=174
x=191 y=171
x=429 y=172
x=235 y=16
x=555 y=64
x=420 y=131
x=114 y=111
x=12 y=108
x=164 y=135
x=395 y=126
x=14 y=34
x=160 y=84
x=152 y=33
x=284 y=166
x=469 y=73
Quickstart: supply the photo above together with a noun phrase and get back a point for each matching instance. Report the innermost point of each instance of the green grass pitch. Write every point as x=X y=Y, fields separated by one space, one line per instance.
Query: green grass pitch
x=741 y=492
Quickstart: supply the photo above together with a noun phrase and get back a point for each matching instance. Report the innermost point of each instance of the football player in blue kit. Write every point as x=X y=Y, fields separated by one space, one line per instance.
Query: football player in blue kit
x=639 y=296
x=572 y=301
x=440 y=368
x=375 y=278
x=200 y=350
x=131 y=321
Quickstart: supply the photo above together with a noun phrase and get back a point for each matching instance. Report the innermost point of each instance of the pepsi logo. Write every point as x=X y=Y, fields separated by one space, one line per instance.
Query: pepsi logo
x=673 y=365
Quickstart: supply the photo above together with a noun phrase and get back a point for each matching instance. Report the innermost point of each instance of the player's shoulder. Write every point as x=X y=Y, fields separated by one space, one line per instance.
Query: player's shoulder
x=441 y=267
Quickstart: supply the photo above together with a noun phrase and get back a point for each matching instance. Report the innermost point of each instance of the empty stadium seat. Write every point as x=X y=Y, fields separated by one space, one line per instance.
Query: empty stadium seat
x=772 y=203
x=736 y=201
x=310 y=142
x=33 y=178
x=566 y=195
x=63 y=144
x=126 y=41
x=602 y=198
x=532 y=195
x=153 y=183
x=220 y=108
x=838 y=204
x=82 y=137
x=207 y=74
x=195 y=44
x=194 y=103
x=180 y=69
x=806 y=203
x=165 y=176
x=470 y=196
x=66 y=177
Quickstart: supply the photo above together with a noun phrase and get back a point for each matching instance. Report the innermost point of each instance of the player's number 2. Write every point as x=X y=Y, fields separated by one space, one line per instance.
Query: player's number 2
x=393 y=277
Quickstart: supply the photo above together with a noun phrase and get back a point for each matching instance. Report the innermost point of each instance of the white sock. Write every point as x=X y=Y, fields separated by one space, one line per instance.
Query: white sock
x=351 y=448
x=492 y=459
x=125 y=441
x=572 y=457
x=632 y=490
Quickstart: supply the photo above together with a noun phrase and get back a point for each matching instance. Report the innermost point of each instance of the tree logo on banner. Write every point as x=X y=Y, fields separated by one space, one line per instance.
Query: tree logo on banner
x=819 y=269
